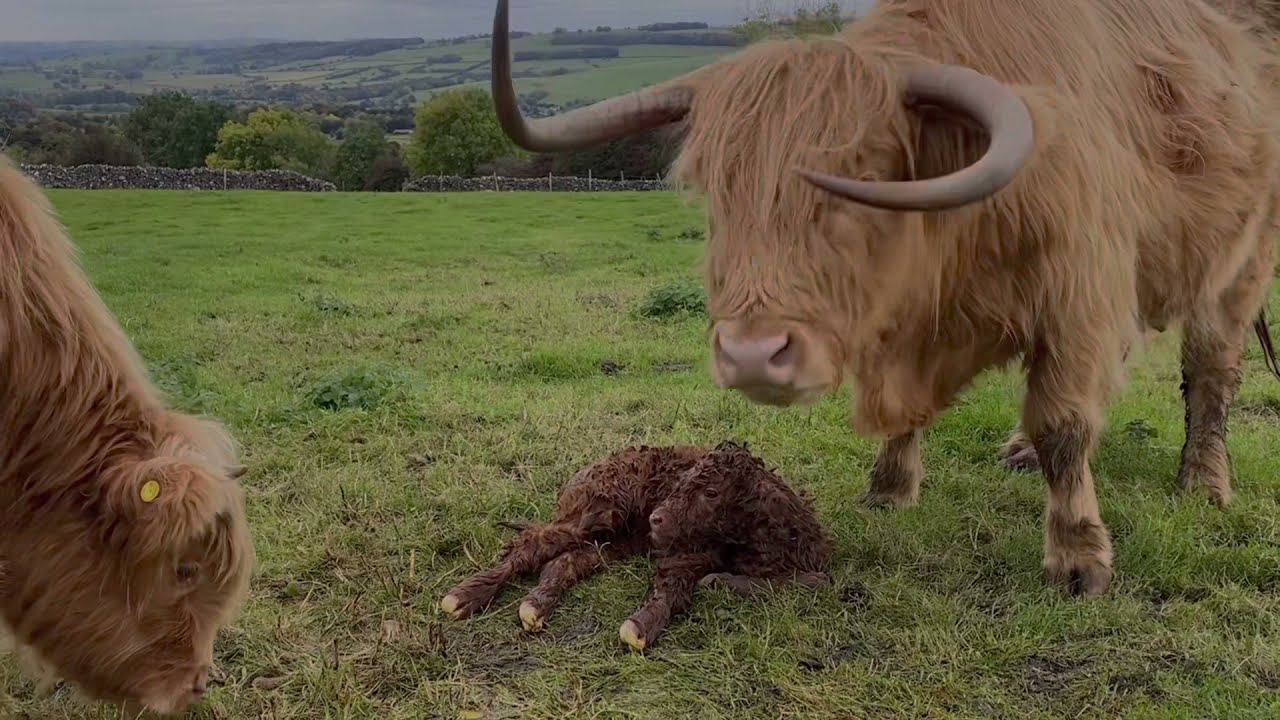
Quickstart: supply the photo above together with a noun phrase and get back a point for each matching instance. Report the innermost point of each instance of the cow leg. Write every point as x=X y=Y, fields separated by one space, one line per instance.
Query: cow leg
x=1212 y=352
x=567 y=570
x=670 y=594
x=533 y=547
x=1066 y=389
x=897 y=472
x=1018 y=453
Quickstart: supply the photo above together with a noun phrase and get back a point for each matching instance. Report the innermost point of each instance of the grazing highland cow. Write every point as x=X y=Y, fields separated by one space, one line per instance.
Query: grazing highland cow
x=123 y=544
x=945 y=187
x=716 y=517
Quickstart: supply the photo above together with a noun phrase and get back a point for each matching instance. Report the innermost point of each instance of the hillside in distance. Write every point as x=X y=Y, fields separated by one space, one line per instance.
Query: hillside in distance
x=566 y=67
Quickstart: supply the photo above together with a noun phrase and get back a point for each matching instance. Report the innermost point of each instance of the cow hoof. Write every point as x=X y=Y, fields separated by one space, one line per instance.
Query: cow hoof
x=1079 y=575
x=1218 y=489
x=1021 y=460
x=630 y=634
x=889 y=500
x=530 y=617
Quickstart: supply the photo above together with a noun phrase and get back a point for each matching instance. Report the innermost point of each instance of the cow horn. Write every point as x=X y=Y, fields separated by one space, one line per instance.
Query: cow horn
x=980 y=96
x=584 y=127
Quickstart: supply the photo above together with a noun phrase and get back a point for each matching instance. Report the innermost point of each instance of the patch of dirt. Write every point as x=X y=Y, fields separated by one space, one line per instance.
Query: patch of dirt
x=502 y=661
x=611 y=367
x=1046 y=675
x=838 y=656
x=573 y=628
x=856 y=596
x=1140 y=683
x=672 y=367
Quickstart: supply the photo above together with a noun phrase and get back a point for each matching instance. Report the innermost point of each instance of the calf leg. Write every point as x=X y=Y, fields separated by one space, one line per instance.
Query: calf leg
x=1212 y=350
x=567 y=570
x=1066 y=389
x=897 y=473
x=670 y=594
x=533 y=547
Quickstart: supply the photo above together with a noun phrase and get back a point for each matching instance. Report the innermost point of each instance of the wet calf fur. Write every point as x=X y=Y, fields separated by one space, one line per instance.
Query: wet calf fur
x=708 y=517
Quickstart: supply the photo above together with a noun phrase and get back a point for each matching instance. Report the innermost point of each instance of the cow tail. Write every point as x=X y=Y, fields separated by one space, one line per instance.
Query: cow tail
x=1268 y=347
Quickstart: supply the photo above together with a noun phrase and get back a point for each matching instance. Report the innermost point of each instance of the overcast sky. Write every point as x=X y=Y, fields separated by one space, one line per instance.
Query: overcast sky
x=337 y=19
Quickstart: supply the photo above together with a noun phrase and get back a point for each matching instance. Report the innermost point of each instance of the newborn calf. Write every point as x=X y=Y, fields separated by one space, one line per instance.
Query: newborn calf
x=716 y=517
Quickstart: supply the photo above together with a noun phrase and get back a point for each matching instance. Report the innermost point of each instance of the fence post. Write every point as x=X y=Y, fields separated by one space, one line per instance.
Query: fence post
x=591 y=184
x=548 y=181
x=495 y=181
x=224 y=179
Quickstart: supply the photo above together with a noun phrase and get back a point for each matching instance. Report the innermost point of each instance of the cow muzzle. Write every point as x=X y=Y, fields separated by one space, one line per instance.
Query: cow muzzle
x=773 y=366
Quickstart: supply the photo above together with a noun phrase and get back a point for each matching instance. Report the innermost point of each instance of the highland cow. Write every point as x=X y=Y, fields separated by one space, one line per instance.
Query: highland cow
x=123 y=542
x=717 y=517
x=946 y=187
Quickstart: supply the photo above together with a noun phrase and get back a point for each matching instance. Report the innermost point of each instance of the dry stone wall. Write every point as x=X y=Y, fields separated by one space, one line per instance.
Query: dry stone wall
x=106 y=177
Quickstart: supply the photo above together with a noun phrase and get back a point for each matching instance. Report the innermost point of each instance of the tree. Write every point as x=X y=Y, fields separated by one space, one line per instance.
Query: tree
x=454 y=132
x=363 y=145
x=174 y=130
x=273 y=140
x=100 y=145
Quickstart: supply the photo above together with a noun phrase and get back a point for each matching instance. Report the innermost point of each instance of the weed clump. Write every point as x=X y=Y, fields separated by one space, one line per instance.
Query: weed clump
x=353 y=390
x=674 y=300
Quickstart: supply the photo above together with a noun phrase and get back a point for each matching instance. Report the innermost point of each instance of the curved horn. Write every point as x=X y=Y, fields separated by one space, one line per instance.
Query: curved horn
x=990 y=102
x=584 y=127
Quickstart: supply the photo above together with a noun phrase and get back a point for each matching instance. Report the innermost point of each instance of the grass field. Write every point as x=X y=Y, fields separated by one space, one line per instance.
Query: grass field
x=407 y=370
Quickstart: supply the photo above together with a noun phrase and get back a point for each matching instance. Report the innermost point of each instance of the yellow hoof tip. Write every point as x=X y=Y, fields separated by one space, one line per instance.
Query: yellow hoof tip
x=530 y=618
x=450 y=606
x=630 y=635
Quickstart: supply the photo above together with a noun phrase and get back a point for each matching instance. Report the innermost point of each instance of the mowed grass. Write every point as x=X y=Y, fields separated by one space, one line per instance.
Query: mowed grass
x=405 y=371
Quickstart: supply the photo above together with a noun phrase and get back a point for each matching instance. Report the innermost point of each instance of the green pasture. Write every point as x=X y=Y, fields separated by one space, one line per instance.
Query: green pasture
x=405 y=371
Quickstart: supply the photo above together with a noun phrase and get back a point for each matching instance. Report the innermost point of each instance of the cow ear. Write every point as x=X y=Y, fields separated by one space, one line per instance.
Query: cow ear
x=166 y=503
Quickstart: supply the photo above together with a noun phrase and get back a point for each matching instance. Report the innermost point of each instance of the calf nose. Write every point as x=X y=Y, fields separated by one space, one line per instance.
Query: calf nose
x=656 y=519
x=763 y=360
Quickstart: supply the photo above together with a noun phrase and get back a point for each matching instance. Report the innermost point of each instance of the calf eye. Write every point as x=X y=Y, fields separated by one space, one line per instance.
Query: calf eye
x=188 y=571
x=711 y=493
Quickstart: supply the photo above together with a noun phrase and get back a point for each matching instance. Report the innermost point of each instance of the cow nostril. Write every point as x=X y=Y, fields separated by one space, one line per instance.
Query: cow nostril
x=656 y=520
x=786 y=354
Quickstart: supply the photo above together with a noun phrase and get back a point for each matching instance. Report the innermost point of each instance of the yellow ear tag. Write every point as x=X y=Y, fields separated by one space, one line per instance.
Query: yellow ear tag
x=150 y=491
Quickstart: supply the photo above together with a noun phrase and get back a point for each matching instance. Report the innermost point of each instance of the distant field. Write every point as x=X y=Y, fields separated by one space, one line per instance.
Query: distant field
x=166 y=68
x=407 y=370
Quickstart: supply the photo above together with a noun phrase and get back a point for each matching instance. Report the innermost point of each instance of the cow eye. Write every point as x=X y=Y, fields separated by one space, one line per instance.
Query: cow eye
x=711 y=493
x=188 y=571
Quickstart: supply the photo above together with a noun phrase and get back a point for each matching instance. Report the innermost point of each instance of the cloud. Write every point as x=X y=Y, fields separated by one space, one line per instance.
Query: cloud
x=330 y=19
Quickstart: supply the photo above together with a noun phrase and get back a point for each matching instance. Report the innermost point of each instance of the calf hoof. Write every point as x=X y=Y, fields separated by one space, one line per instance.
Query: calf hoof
x=459 y=605
x=632 y=635
x=530 y=617
x=452 y=607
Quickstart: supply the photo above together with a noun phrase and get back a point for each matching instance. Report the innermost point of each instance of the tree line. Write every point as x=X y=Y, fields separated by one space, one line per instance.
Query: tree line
x=455 y=132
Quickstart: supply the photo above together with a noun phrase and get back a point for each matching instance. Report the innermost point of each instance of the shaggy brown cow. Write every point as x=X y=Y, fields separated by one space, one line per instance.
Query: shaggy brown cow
x=1030 y=178
x=123 y=543
x=717 y=517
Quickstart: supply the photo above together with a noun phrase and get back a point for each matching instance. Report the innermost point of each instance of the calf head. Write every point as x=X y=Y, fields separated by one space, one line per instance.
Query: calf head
x=795 y=276
x=709 y=501
x=122 y=589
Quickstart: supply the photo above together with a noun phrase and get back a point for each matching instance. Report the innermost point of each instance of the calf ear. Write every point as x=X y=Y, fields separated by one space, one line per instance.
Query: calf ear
x=164 y=504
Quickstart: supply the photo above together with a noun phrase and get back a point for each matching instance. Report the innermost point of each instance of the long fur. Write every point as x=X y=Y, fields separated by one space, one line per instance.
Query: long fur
x=89 y=577
x=1156 y=127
